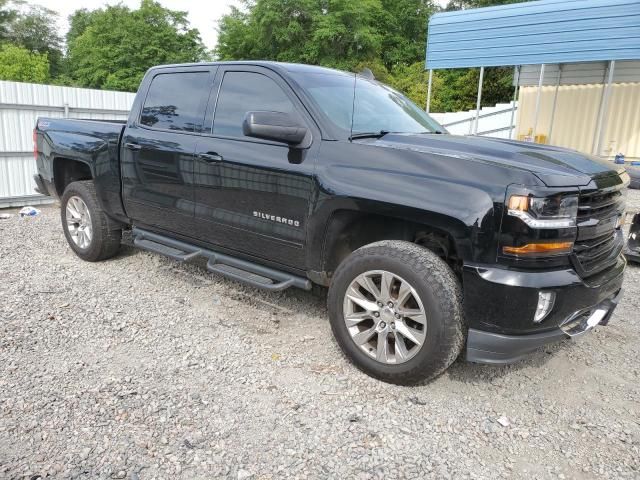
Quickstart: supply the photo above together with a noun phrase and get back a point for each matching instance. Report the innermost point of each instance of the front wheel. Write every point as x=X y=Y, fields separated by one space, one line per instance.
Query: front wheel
x=396 y=312
x=90 y=233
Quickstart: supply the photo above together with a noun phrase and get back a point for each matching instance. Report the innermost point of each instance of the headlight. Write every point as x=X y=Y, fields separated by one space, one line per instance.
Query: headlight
x=538 y=224
x=557 y=211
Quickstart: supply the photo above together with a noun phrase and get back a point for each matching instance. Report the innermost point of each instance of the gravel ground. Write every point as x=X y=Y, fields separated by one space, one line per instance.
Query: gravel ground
x=143 y=368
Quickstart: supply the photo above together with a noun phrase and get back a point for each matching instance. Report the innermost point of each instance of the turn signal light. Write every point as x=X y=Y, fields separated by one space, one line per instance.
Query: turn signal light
x=533 y=249
x=519 y=203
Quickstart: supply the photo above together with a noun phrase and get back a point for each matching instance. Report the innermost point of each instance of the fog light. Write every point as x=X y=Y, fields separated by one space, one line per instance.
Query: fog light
x=545 y=304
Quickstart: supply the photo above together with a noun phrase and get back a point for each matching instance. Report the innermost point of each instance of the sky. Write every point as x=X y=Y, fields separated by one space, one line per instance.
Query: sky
x=203 y=14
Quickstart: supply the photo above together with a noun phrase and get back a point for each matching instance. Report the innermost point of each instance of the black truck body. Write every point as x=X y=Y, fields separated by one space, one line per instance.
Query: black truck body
x=301 y=208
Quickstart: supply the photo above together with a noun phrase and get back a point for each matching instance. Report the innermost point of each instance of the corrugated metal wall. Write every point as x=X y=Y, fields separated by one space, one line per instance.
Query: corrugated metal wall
x=20 y=105
x=576 y=116
x=580 y=73
x=546 y=31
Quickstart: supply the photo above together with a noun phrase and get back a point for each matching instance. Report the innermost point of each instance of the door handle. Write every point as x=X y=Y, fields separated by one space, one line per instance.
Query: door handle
x=132 y=146
x=210 y=157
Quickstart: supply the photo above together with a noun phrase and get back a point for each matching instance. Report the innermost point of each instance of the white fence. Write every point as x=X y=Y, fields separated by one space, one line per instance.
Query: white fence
x=492 y=121
x=20 y=105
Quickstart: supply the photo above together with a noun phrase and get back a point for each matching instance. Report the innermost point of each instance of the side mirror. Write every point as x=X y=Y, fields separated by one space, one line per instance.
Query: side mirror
x=278 y=126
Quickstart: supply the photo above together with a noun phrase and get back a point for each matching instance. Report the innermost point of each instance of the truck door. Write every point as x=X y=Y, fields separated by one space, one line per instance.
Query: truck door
x=253 y=195
x=158 y=146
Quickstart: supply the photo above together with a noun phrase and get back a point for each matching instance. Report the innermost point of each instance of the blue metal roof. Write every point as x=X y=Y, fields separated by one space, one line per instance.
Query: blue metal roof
x=545 y=31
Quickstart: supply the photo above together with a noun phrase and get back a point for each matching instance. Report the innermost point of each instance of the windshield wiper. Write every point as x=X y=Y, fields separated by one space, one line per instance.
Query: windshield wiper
x=378 y=134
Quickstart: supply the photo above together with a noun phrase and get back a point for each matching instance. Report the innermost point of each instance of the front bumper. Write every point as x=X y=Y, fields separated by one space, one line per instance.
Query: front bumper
x=494 y=348
x=500 y=304
x=632 y=249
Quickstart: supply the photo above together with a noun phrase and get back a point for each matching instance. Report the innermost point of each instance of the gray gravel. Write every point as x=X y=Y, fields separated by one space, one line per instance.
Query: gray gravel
x=143 y=368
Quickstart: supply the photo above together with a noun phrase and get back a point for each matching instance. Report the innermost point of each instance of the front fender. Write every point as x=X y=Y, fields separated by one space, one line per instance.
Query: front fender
x=434 y=192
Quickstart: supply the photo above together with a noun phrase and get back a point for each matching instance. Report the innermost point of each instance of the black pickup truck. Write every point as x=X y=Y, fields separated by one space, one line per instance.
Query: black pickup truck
x=288 y=175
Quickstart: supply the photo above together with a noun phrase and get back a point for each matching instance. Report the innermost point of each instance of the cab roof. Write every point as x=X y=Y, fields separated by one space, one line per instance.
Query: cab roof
x=278 y=66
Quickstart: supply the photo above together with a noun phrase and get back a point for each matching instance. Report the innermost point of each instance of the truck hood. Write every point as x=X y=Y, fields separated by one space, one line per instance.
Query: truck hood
x=554 y=166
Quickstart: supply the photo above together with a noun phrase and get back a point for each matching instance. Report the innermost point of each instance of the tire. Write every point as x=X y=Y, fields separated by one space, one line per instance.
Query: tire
x=105 y=234
x=439 y=295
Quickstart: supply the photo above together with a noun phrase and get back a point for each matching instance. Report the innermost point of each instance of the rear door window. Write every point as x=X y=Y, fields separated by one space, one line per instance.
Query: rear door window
x=243 y=92
x=176 y=101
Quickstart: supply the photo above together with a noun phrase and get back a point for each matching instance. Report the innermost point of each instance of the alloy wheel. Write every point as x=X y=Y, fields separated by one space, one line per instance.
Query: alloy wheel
x=79 y=222
x=385 y=316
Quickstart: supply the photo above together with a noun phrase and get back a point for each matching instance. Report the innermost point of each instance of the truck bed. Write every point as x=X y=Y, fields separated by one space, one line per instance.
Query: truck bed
x=84 y=131
x=94 y=143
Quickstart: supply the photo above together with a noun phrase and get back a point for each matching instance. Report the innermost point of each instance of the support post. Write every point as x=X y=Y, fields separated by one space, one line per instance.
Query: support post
x=429 y=90
x=602 y=112
x=555 y=101
x=537 y=111
x=66 y=110
x=515 y=99
x=478 y=102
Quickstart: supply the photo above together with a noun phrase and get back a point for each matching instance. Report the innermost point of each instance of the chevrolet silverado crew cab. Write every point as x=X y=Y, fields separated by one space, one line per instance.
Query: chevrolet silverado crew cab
x=284 y=175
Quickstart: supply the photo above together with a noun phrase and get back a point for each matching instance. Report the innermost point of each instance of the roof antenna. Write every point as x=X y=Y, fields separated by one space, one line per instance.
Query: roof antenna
x=367 y=73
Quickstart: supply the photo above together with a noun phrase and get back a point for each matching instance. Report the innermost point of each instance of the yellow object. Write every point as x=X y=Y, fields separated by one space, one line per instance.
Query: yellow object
x=529 y=137
x=538 y=248
x=519 y=202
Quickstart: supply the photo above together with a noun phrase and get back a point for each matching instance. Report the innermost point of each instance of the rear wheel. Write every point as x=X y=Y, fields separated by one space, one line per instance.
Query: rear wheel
x=396 y=312
x=90 y=233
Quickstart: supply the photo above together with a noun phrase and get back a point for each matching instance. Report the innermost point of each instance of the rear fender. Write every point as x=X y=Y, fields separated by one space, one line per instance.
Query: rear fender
x=98 y=155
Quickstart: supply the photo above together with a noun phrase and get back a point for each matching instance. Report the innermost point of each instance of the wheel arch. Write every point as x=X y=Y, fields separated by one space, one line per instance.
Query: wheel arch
x=68 y=170
x=348 y=229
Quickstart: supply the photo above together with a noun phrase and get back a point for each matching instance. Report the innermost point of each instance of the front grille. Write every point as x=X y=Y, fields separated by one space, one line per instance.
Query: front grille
x=591 y=253
x=599 y=241
x=599 y=205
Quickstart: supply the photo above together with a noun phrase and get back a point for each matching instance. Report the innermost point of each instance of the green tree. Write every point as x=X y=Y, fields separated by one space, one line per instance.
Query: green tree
x=337 y=33
x=78 y=23
x=412 y=81
x=112 y=48
x=20 y=65
x=386 y=36
x=346 y=32
x=405 y=31
x=7 y=17
x=276 y=30
x=35 y=29
x=457 y=89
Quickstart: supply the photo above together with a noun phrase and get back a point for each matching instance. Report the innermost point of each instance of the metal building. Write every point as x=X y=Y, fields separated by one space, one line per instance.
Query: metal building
x=554 y=45
x=576 y=90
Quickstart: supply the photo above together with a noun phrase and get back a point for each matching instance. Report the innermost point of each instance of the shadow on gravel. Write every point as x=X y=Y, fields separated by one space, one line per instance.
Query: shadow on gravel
x=125 y=251
x=194 y=271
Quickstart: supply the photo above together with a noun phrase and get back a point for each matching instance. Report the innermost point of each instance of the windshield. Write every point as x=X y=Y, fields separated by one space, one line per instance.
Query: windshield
x=374 y=108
